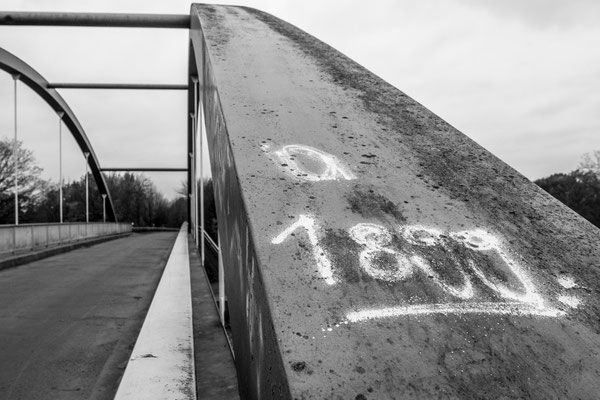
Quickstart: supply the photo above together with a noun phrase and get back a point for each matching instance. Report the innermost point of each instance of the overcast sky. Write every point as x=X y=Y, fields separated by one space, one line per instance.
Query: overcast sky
x=521 y=77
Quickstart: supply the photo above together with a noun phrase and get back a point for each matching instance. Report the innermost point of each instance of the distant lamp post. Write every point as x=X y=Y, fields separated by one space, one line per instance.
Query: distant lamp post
x=104 y=207
x=87 y=189
x=60 y=174
x=15 y=158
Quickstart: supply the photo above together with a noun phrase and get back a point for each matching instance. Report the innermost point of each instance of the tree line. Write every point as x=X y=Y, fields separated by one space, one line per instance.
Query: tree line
x=578 y=189
x=135 y=197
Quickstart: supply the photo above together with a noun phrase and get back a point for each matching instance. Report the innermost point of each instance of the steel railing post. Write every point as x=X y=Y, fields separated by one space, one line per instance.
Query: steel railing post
x=15 y=155
x=60 y=176
x=87 y=191
x=221 y=273
x=201 y=133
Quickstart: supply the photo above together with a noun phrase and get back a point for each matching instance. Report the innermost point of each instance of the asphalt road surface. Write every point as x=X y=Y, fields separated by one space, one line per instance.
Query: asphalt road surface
x=68 y=323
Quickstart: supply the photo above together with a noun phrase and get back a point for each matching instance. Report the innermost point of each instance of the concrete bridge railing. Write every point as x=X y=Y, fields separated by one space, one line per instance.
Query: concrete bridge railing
x=19 y=238
x=370 y=249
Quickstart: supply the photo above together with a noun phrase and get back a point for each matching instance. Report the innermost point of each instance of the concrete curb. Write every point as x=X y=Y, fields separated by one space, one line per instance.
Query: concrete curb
x=161 y=365
x=38 y=255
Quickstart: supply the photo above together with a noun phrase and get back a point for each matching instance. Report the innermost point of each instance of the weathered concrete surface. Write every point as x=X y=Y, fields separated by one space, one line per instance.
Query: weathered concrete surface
x=68 y=323
x=387 y=255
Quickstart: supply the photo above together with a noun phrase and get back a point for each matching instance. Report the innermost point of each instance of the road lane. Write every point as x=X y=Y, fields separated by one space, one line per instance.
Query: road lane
x=68 y=323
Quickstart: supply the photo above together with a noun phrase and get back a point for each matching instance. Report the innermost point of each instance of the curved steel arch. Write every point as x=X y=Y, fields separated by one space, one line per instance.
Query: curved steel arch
x=29 y=76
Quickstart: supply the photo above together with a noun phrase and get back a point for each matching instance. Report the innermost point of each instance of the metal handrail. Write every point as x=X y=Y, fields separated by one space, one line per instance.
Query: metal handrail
x=211 y=242
x=57 y=223
x=171 y=21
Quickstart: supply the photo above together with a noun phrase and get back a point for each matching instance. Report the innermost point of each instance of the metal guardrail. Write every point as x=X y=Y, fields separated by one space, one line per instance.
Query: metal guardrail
x=17 y=238
x=211 y=242
x=221 y=297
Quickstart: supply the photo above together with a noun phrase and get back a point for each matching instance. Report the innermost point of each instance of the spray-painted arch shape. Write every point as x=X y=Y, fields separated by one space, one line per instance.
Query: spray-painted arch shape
x=14 y=65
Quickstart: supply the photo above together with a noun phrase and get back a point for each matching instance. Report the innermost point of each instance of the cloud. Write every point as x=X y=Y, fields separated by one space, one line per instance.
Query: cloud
x=519 y=76
x=563 y=14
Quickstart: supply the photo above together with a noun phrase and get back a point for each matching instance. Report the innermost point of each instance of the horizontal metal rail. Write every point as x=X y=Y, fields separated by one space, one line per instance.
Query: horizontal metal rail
x=173 y=21
x=124 y=86
x=211 y=242
x=143 y=169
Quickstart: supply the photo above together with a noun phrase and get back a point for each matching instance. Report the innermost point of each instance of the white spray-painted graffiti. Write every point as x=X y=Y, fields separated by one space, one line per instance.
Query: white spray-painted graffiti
x=480 y=240
x=309 y=164
x=375 y=241
x=323 y=262
x=382 y=260
x=500 y=308
x=375 y=237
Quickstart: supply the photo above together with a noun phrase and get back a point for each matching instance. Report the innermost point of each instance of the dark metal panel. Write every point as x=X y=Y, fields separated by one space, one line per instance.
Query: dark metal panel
x=14 y=65
x=261 y=374
x=174 y=21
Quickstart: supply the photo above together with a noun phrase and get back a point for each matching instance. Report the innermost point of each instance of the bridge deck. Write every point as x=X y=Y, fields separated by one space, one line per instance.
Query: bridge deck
x=68 y=323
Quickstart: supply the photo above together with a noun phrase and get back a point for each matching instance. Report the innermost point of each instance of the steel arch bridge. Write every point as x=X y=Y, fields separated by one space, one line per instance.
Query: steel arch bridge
x=350 y=215
x=34 y=80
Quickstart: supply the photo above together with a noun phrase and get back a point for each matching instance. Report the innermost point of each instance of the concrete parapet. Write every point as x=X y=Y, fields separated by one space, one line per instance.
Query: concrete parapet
x=371 y=250
x=161 y=365
x=30 y=237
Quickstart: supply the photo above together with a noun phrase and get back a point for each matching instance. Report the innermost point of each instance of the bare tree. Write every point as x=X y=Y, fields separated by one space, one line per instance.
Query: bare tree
x=590 y=162
x=30 y=186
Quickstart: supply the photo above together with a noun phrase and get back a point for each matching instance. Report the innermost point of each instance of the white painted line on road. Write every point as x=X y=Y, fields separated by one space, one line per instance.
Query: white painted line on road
x=162 y=362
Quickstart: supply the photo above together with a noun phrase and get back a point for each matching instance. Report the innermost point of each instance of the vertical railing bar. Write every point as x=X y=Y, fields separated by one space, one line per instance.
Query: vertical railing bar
x=192 y=179
x=201 y=135
x=87 y=191
x=15 y=156
x=197 y=122
x=60 y=174
x=104 y=207
x=221 y=272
